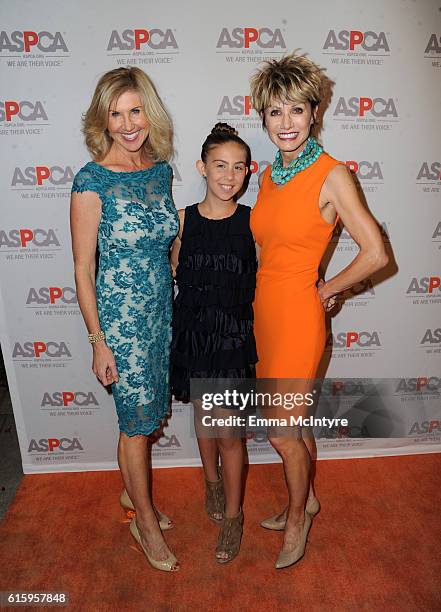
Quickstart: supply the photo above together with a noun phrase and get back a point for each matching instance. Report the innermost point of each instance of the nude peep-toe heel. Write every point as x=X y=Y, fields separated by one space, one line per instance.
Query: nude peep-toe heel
x=312 y=508
x=165 y=523
x=230 y=535
x=286 y=559
x=170 y=564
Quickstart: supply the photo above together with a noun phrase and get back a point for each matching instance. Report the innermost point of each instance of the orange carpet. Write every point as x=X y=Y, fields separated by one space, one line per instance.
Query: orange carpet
x=375 y=546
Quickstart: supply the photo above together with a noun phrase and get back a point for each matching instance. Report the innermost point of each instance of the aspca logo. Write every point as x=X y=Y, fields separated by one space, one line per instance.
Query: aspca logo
x=425 y=427
x=431 y=337
x=135 y=40
x=39 y=349
x=433 y=44
x=257 y=167
x=244 y=38
x=49 y=445
x=355 y=40
x=354 y=340
x=338 y=388
x=366 y=107
x=168 y=442
x=366 y=171
x=429 y=171
x=28 y=41
x=235 y=106
x=424 y=285
x=33 y=176
x=421 y=383
x=11 y=110
x=341 y=233
x=344 y=431
x=69 y=399
x=437 y=233
x=25 y=238
x=51 y=295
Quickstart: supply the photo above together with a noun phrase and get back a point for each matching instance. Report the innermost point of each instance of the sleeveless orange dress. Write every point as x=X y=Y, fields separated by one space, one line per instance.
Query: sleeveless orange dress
x=289 y=319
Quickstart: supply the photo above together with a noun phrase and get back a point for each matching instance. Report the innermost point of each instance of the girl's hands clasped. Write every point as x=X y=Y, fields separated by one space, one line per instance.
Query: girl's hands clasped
x=104 y=366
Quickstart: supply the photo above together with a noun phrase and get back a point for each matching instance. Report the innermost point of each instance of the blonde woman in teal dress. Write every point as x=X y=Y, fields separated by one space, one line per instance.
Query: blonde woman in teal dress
x=122 y=201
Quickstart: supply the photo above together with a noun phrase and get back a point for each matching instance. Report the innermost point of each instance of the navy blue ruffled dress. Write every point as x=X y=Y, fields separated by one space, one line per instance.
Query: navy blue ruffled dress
x=134 y=286
x=213 y=311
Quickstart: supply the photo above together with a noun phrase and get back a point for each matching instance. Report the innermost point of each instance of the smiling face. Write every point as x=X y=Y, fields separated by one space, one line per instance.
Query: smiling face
x=288 y=125
x=225 y=170
x=127 y=124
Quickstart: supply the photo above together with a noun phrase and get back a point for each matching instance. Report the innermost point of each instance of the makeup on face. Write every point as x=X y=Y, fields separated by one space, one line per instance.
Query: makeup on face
x=288 y=125
x=127 y=123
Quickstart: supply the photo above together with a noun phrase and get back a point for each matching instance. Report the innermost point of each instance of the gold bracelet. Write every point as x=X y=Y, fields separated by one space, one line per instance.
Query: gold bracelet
x=93 y=338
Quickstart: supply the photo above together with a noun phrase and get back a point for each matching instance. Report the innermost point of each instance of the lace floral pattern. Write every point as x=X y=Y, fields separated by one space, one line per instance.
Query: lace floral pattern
x=134 y=286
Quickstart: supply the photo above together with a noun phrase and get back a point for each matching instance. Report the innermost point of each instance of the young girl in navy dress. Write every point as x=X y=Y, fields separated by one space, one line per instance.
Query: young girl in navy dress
x=215 y=262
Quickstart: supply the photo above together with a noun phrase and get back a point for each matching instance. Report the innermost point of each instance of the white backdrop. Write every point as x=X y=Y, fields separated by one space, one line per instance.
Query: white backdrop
x=382 y=118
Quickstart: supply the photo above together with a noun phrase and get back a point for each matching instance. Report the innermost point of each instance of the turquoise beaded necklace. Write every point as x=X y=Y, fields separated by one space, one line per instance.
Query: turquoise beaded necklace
x=306 y=158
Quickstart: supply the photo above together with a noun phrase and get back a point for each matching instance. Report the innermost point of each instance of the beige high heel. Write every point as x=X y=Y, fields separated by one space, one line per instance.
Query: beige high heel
x=286 y=559
x=215 y=498
x=230 y=535
x=312 y=508
x=165 y=523
x=170 y=564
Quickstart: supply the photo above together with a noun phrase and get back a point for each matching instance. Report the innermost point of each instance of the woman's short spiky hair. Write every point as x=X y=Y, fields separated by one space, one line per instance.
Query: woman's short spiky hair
x=292 y=78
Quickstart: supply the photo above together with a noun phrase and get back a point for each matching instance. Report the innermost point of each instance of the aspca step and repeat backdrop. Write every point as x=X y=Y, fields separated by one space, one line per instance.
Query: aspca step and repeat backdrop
x=384 y=60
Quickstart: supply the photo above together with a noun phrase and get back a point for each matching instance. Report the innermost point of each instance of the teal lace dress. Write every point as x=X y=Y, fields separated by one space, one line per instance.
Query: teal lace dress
x=134 y=286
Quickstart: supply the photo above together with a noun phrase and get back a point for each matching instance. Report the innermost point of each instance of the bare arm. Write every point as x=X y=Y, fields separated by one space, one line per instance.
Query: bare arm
x=257 y=252
x=176 y=246
x=260 y=181
x=85 y=214
x=340 y=191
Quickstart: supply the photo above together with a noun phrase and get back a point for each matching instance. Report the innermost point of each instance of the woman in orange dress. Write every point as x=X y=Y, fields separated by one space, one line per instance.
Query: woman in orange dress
x=302 y=196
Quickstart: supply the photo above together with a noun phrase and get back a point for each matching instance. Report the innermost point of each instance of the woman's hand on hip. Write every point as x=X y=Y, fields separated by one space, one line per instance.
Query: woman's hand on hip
x=104 y=366
x=328 y=302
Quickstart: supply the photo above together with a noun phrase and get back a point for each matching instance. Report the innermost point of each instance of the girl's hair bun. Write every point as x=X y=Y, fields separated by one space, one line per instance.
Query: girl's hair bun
x=223 y=133
x=224 y=128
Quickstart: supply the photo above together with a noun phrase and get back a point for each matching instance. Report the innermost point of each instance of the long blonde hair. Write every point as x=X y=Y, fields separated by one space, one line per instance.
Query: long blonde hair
x=159 y=144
